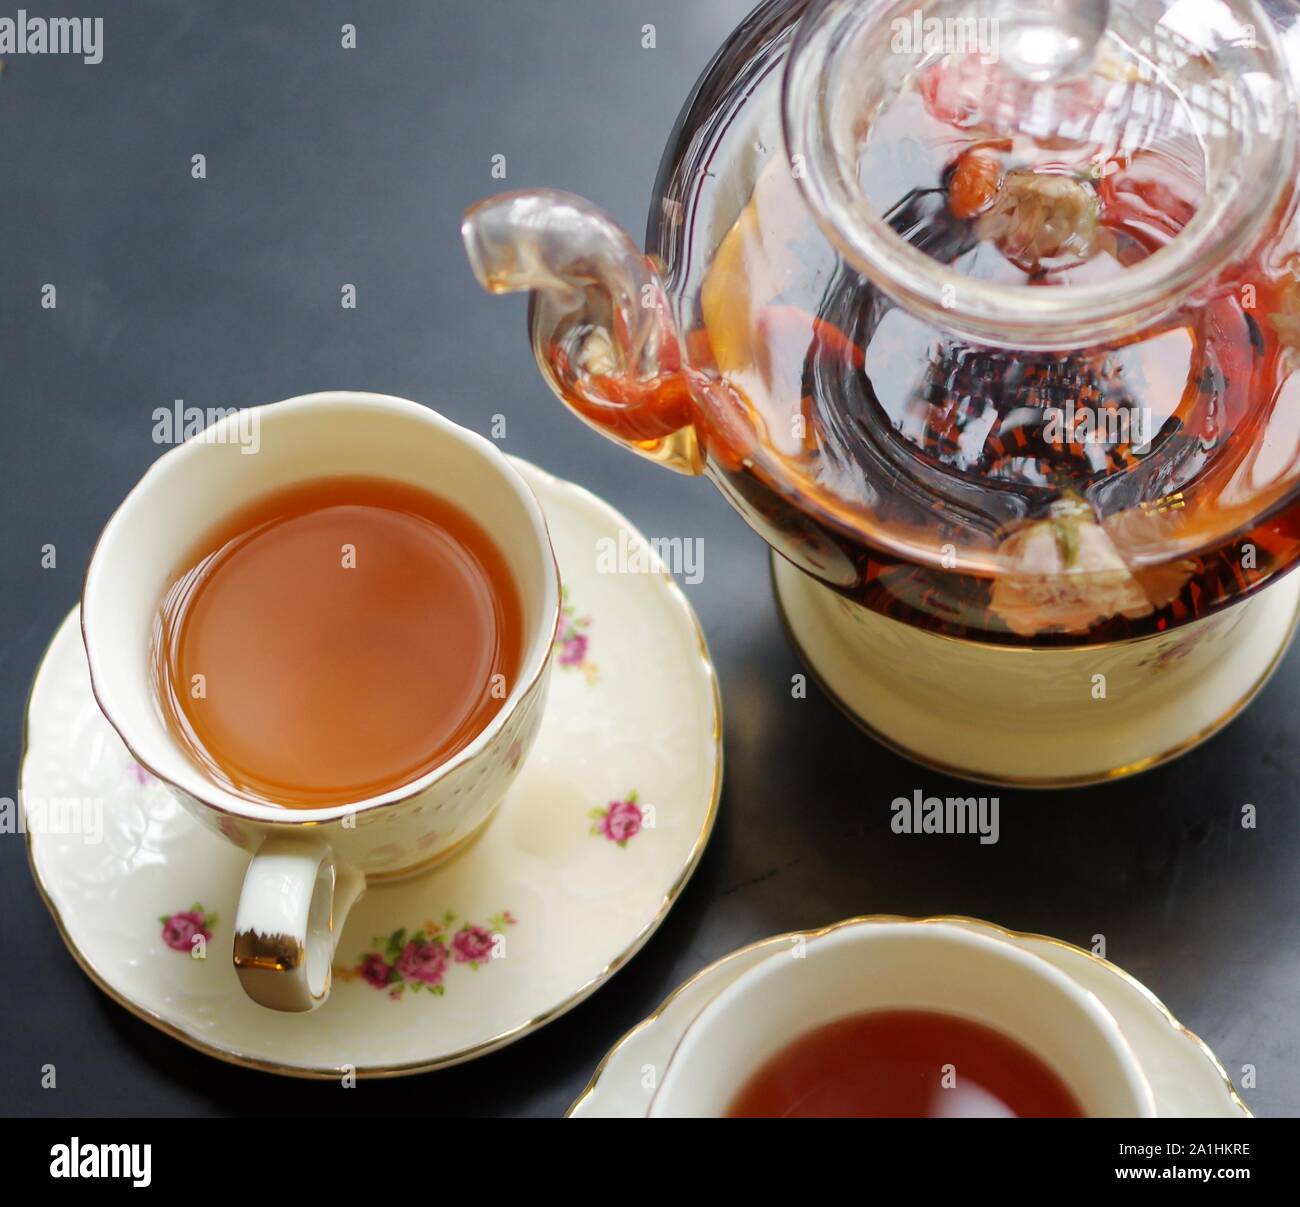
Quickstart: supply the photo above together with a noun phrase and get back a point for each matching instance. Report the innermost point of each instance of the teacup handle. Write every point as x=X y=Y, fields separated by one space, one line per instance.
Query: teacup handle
x=291 y=913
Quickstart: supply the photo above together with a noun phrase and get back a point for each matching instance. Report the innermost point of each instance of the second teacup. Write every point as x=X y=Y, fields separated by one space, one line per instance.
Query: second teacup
x=904 y=966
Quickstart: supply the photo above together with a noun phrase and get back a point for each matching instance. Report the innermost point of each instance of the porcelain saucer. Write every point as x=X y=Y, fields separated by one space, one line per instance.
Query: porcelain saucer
x=1185 y=1076
x=580 y=864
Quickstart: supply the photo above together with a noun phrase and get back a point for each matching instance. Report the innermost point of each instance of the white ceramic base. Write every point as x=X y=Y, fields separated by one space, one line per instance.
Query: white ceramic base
x=1185 y=1076
x=581 y=863
x=1034 y=717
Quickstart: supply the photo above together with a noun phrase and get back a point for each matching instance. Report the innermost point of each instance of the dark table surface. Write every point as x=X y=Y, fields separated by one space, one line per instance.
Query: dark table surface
x=328 y=166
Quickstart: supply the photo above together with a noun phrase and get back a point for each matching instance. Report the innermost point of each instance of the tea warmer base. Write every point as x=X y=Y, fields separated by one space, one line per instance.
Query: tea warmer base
x=1037 y=718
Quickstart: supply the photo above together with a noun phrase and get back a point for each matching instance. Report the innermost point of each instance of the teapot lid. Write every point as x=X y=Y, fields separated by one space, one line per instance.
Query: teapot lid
x=1086 y=83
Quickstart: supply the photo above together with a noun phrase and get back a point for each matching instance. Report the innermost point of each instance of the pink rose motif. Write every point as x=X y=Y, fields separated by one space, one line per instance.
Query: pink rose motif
x=473 y=945
x=622 y=821
x=233 y=831
x=179 y=930
x=425 y=962
x=514 y=754
x=375 y=971
x=574 y=650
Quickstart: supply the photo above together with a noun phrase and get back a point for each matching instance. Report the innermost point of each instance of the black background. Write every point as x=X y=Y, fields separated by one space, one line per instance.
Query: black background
x=329 y=166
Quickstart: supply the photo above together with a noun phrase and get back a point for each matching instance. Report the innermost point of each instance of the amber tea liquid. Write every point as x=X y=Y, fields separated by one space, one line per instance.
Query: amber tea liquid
x=336 y=639
x=904 y=1064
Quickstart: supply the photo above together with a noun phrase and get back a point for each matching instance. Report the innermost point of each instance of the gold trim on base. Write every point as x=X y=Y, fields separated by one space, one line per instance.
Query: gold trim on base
x=438 y=859
x=267 y=953
x=961 y=919
x=1046 y=782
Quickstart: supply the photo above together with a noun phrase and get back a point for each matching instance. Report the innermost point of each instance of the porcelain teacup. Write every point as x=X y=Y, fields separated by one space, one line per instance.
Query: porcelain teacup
x=309 y=865
x=891 y=965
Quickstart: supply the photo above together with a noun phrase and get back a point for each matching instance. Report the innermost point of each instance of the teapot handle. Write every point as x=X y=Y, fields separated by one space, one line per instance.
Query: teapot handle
x=602 y=329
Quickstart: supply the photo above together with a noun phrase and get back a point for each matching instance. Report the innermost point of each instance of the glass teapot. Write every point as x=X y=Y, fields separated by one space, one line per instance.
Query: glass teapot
x=984 y=313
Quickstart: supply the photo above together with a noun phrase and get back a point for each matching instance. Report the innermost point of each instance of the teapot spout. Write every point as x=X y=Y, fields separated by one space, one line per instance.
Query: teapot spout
x=602 y=329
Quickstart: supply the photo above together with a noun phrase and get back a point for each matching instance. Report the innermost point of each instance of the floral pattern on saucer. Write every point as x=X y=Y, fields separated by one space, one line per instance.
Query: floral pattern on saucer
x=179 y=930
x=618 y=821
x=572 y=639
x=420 y=959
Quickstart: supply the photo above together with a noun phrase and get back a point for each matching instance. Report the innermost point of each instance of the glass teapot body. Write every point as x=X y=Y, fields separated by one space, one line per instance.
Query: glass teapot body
x=966 y=384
